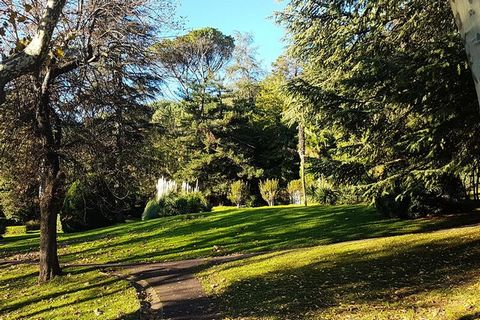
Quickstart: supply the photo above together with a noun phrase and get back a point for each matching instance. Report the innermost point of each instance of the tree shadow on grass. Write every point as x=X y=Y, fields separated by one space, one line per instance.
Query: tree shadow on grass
x=473 y=316
x=236 y=231
x=396 y=275
x=76 y=290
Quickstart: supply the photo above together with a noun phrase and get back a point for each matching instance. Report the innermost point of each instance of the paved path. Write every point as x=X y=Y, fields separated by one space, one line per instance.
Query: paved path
x=177 y=295
x=170 y=288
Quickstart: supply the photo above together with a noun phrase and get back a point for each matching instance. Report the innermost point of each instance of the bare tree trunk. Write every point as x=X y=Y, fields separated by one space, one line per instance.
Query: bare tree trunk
x=467 y=18
x=49 y=264
x=50 y=194
x=301 y=153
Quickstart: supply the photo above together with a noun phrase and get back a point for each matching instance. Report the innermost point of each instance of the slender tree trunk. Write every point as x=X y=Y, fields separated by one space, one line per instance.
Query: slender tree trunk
x=50 y=195
x=301 y=153
x=477 y=183
x=467 y=18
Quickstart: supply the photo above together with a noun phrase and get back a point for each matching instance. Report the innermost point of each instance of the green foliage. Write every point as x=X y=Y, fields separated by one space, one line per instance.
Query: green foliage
x=16 y=230
x=269 y=190
x=295 y=191
x=385 y=92
x=436 y=194
x=221 y=130
x=16 y=203
x=238 y=193
x=88 y=204
x=32 y=225
x=183 y=203
x=176 y=204
x=152 y=210
x=325 y=192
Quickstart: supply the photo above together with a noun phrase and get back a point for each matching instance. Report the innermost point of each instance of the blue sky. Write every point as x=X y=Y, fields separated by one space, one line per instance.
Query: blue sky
x=238 y=15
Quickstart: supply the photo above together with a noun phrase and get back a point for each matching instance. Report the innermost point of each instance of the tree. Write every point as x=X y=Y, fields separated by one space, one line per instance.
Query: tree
x=27 y=59
x=91 y=38
x=206 y=138
x=468 y=23
x=238 y=192
x=244 y=72
x=293 y=109
x=194 y=61
x=295 y=191
x=386 y=82
x=269 y=190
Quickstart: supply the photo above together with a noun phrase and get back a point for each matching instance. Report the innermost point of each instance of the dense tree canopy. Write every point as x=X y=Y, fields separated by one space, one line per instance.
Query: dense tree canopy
x=388 y=85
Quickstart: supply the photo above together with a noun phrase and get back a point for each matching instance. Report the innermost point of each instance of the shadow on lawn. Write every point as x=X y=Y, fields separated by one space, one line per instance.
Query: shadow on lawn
x=282 y=228
x=395 y=275
x=247 y=230
x=35 y=306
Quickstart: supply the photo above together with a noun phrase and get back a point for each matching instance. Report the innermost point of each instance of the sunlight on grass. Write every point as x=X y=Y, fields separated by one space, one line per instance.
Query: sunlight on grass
x=420 y=276
x=80 y=294
x=230 y=230
x=339 y=277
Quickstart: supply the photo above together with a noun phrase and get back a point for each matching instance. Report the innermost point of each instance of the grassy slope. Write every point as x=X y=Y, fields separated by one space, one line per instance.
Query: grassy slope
x=418 y=276
x=230 y=230
x=222 y=232
x=81 y=294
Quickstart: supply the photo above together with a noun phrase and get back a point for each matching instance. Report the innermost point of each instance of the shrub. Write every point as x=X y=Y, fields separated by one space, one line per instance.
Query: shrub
x=88 y=204
x=182 y=203
x=269 y=190
x=15 y=230
x=348 y=194
x=152 y=210
x=435 y=195
x=325 y=192
x=295 y=190
x=176 y=204
x=32 y=225
x=238 y=193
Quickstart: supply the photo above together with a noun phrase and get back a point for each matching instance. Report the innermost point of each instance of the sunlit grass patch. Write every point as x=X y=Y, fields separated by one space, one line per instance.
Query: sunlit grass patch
x=80 y=294
x=226 y=231
x=418 y=276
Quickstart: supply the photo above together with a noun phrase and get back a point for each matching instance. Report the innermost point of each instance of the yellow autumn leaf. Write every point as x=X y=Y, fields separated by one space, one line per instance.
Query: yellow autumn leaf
x=59 y=53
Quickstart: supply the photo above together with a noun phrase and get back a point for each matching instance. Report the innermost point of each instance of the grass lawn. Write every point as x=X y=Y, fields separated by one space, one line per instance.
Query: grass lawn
x=418 y=276
x=80 y=294
x=227 y=231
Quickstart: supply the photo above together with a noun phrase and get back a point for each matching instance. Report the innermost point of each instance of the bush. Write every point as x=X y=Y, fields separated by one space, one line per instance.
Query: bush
x=350 y=195
x=269 y=190
x=176 y=204
x=295 y=190
x=439 y=194
x=88 y=204
x=16 y=230
x=183 y=203
x=152 y=210
x=32 y=225
x=325 y=192
x=238 y=193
